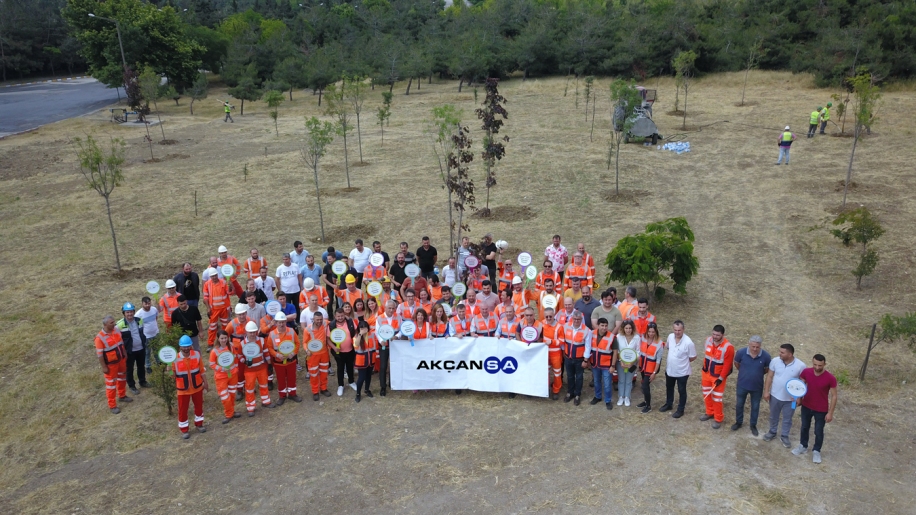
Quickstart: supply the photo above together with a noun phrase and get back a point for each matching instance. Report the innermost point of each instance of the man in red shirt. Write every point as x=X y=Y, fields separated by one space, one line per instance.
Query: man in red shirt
x=818 y=403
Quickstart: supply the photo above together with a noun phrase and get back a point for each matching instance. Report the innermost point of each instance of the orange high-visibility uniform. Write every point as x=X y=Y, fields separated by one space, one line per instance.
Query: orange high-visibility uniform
x=627 y=309
x=589 y=263
x=230 y=260
x=406 y=311
x=226 y=380
x=554 y=355
x=484 y=326
x=216 y=295
x=439 y=330
x=717 y=364
x=650 y=355
x=167 y=305
x=460 y=328
x=476 y=283
x=284 y=366
x=236 y=330
x=473 y=310
x=318 y=362
x=505 y=279
x=500 y=310
x=579 y=271
x=110 y=347
x=522 y=325
x=365 y=355
x=602 y=350
x=426 y=306
x=543 y=276
x=256 y=374
x=423 y=332
x=189 y=383
x=573 y=340
x=435 y=292
x=350 y=297
x=563 y=317
x=385 y=297
x=641 y=323
x=371 y=273
x=522 y=300
x=507 y=328
x=252 y=267
x=320 y=293
x=542 y=295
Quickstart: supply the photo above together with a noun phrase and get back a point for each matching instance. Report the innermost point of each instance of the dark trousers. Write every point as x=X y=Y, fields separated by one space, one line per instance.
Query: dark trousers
x=812 y=129
x=755 y=405
x=820 y=419
x=823 y=126
x=136 y=358
x=646 y=389
x=359 y=279
x=574 y=372
x=384 y=353
x=332 y=301
x=492 y=272
x=293 y=298
x=345 y=359
x=681 y=391
x=363 y=377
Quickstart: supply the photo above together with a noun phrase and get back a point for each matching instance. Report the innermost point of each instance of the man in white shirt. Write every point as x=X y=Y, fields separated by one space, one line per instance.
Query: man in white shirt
x=681 y=352
x=290 y=279
x=149 y=315
x=305 y=319
x=558 y=255
x=781 y=370
x=359 y=260
x=450 y=273
x=266 y=284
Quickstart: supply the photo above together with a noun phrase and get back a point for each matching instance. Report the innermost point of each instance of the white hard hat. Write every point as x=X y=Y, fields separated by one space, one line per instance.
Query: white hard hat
x=170 y=284
x=222 y=248
x=502 y=244
x=280 y=316
x=212 y=272
x=251 y=327
x=308 y=283
x=240 y=308
x=787 y=127
x=516 y=280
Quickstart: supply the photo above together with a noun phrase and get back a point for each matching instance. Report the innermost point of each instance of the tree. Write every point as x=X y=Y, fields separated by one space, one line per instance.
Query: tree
x=149 y=87
x=460 y=184
x=198 y=90
x=384 y=112
x=664 y=252
x=134 y=92
x=860 y=227
x=102 y=171
x=892 y=329
x=246 y=90
x=274 y=99
x=443 y=127
x=683 y=65
x=625 y=98
x=161 y=377
x=755 y=52
x=492 y=116
x=339 y=108
x=318 y=136
x=355 y=93
x=291 y=71
x=866 y=98
x=589 y=82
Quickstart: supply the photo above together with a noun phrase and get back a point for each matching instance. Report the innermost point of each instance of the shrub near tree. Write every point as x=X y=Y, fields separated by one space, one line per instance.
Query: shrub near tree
x=162 y=379
x=661 y=254
x=858 y=226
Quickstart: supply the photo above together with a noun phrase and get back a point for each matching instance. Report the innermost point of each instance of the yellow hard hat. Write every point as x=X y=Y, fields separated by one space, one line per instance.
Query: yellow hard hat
x=350 y=279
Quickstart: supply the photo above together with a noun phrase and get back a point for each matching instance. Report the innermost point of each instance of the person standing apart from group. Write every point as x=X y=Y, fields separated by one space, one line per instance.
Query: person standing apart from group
x=785 y=143
x=781 y=370
x=681 y=352
x=752 y=363
x=818 y=404
x=109 y=347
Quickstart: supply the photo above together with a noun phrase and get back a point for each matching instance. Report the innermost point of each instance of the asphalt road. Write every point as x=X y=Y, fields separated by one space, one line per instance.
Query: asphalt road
x=26 y=107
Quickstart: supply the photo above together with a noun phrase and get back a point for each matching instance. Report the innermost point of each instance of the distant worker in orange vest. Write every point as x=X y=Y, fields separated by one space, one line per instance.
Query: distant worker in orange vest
x=284 y=364
x=521 y=298
x=226 y=378
x=650 y=362
x=227 y=259
x=216 y=297
x=254 y=264
x=641 y=317
x=589 y=263
x=190 y=383
x=318 y=361
x=109 y=347
x=577 y=348
x=629 y=304
x=548 y=273
x=717 y=366
x=256 y=370
x=168 y=303
x=603 y=361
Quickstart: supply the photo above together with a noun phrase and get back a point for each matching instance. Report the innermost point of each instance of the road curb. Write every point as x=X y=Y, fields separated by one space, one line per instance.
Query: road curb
x=47 y=81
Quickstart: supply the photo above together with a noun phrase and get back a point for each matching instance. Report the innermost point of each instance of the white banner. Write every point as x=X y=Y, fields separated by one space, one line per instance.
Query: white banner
x=484 y=364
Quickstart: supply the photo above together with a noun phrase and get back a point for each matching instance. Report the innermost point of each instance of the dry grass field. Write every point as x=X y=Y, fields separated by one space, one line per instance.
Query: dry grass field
x=763 y=270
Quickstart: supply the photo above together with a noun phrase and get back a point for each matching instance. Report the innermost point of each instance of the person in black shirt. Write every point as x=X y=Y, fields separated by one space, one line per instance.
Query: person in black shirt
x=489 y=256
x=409 y=256
x=397 y=273
x=377 y=248
x=426 y=258
x=188 y=318
x=187 y=283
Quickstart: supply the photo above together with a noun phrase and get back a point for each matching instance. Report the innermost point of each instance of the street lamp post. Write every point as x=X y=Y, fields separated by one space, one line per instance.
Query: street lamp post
x=120 y=43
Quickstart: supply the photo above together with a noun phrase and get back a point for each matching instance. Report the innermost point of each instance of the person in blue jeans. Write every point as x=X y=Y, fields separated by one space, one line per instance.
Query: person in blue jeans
x=752 y=363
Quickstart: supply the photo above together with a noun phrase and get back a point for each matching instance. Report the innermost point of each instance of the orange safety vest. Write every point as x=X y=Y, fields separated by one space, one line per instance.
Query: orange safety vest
x=373 y=273
x=589 y=263
x=168 y=304
x=310 y=333
x=405 y=311
x=521 y=300
x=485 y=326
x=507 y=329
x=435 y=293
x=627 y=310
x=537 y=325
x=230 y=260
x=719 y=359
x=648 y=356
x=253 y=268
x=422 y=332
x=262 y=359
x=394 y=322
x=218 y=371
x=439 y=330
x=385 y=297
x=476 y=283
x=471 y=311
x=188 y=376
x=641 y=323
x=549 y=334
x=563 y=317
x=574 y=341
x=236 y=329
x=216 y=294
x=461 y=328
x=602 y=351
x=349 y=297
x=576 y=271
x=543 y=276
x=426 y=306
x=500 y=310
x=317 y=291
x=365 y=357
x=505 y=279
x=276 y=338
x=110 y=347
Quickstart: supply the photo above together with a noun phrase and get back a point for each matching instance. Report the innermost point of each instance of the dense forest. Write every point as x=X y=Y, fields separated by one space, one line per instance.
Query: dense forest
x=285 y=44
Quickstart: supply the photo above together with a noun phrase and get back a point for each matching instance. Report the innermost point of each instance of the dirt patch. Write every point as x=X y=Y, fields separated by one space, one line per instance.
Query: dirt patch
x=345 y=234
x=840 y=185
x=168 y=142
x=749 y=103
x=674 y=113
x=166 y=158
x=842 y=134
x=153 y=160
x=626 y=197
x=360 y=165
x=147 y=273
x=507 y=214
x=336 y=192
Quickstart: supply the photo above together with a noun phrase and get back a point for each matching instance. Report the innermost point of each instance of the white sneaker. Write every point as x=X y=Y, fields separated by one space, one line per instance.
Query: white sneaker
x=798 y=451
x=626 y=402
x=353 y=385
x=620 y=401
x=816 y=457
x=340 y=391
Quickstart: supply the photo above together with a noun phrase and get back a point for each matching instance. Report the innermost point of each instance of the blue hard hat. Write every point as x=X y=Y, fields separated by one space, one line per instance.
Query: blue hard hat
x=185 y=341
x=128 y=307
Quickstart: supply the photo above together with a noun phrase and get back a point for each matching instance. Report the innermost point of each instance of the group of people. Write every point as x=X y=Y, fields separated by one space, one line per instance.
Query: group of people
x=819 y=116
x=354 y=305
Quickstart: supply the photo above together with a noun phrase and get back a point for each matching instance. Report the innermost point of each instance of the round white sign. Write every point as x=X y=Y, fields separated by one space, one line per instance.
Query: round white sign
x=227 y=270
x=374 y=288
x=385 y=332
x=529 y=334
x=152 y=287
x=459 y=289
x=796 y=388
x=339 y=268
x=628 y=355
x=412 y=270
x=549 y=302
x=408 y=328
x=225 y=359
x=272 y=307
x=251 y=350
x=287 y=347
x=338 y=336
x=376 y=260
x=531 y=273
x=168 y=354
x=314 y=346
x=471 y=262
x=524 y=259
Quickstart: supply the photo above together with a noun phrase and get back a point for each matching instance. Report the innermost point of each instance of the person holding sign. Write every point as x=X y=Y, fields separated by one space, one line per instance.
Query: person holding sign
x=375 y=269
x=341 y=333
x=109 y=347
x=284 y=352
x=317 y=359
x=577 y=348
x=226 y=259
x=190 y=383
x=521 y=298
x=782 y=369
x=365 y=345
x=506 y=275
x=392 y=320
x=717 y=366
x=225 y=373
x=528 y=320
x=628 y=345
x=549 y=329
x=216 y=297
x=168 y=303
x=257 y=357
x=603 y=360
x=351 y=293
x=818 y=403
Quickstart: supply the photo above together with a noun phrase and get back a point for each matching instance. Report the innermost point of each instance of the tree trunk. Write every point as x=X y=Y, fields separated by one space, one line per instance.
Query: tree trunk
x=871 y=340
x=114 y=238
x=591 y=135
x=390 y=86
x=192 y=107
x=320 y=91
x=746 y=73
x=419 y=80
x=290 y=93
x=488 y=191
x=451 y=229
x=852 y=155
x=409 y=82
x=156 y=105
x=359 y=138
x=460 y=83
x=346 y=161
x=430 y=78
x=242 y=111
x=318 y=196
x=617 y=168
x=684 y=125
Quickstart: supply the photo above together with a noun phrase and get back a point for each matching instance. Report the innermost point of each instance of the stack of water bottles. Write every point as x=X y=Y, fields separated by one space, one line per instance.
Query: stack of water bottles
x=678 y=146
